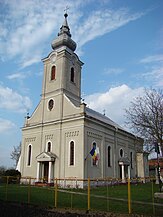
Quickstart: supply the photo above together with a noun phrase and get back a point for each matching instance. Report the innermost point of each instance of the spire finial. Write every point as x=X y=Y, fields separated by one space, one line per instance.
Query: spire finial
x=65 y=28
x=64 y=35
x=66 y=9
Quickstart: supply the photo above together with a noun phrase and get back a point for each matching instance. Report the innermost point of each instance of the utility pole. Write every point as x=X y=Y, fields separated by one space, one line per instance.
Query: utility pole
x=158 y=164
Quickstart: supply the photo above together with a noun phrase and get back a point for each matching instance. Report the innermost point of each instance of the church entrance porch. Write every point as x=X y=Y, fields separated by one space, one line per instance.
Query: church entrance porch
x=124 y=169
x=45 y=167
x=46 y=171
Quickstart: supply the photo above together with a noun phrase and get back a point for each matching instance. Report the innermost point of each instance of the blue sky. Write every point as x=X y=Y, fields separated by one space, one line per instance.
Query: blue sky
x=119 y=41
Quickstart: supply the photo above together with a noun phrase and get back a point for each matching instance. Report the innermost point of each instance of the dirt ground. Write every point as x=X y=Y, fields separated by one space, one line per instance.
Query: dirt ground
x=8 y=209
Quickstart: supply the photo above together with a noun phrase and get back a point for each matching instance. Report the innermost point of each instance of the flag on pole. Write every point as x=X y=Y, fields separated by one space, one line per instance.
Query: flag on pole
x=95 y=153
x=92 y=152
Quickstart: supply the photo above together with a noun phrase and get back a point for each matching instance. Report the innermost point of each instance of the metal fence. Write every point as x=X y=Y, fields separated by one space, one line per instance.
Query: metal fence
x=110 y=195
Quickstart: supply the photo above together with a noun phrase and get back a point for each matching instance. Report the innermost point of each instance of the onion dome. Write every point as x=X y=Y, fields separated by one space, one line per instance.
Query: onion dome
x=64 y=37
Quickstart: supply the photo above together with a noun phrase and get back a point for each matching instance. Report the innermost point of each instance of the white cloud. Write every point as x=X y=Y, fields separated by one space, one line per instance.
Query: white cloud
x=114 y=71
x=16 y=76
x=154 y=72
x=101 y=22
x=6 y=125
x=11 y=100
x=114 y=101
x=151 y=59
x=3 y=32
x=29 y=24
x=30 y=61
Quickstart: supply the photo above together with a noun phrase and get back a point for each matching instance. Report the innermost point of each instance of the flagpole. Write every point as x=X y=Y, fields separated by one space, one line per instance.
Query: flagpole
x=86 y=156
x=91 y=152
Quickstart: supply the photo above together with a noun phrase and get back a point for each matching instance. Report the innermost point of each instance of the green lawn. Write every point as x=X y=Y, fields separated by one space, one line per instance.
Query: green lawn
x=109 y=198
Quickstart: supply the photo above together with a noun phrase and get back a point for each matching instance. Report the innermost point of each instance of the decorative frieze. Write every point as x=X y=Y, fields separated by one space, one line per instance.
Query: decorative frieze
x=49 y=137
x=109 y=141
x=31 y=139
x=94 y=135
x=72 y=134
x=131 y=146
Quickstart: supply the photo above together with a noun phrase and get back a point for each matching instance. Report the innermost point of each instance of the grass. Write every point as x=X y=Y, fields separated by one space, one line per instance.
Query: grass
x=109 y=198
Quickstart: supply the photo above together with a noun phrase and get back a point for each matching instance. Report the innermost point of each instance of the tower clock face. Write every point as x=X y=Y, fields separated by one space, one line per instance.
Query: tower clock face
x=50 y=104
x=73 y=60
x=53 y=58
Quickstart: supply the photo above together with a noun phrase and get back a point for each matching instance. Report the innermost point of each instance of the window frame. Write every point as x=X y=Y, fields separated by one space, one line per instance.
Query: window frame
x=51 y=107
x=72 y=75
x=53 y=73
x=94 y=145
x=29 y=155
x=47 y=146
x=72 y=153
x=121 y=149
x=109 y=155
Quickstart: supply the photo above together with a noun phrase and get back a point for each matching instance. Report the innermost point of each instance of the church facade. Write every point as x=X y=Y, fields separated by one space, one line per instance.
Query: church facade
x=64 y=138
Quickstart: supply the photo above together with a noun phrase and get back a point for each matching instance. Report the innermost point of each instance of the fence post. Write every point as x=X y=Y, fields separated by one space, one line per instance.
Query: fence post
x=88 y=194
x=129 y=196
x=6 y=193
x=107 y=195
x=56 y=191
x=153 y=199
x=29 y=190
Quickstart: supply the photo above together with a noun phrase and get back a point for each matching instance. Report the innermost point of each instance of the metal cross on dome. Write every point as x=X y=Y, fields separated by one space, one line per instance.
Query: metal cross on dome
x=66 y=9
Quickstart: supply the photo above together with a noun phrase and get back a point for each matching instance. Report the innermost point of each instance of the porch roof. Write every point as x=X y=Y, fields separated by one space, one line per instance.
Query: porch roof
x=46 y=156
x=124 y=161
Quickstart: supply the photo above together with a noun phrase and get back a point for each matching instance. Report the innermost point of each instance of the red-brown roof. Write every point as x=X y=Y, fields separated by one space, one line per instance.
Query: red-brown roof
x=154 y=162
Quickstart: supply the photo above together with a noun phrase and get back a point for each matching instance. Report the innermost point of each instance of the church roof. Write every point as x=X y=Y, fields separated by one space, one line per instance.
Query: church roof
x=103 y=118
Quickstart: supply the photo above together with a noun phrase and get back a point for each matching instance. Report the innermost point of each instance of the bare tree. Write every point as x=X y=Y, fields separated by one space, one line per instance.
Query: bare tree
x=145 y=116
x=15 y=154
x=2 y=170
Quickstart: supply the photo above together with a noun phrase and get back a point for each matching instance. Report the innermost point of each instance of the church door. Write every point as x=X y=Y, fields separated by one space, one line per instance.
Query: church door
x=120 y=171
x=46 y=171
x=126 y=171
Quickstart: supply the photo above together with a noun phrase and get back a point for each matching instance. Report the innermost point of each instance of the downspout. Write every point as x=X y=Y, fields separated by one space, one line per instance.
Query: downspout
x=115 y=151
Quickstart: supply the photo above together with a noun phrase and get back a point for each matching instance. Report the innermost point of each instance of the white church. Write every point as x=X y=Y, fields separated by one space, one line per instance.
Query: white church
x=64 y=138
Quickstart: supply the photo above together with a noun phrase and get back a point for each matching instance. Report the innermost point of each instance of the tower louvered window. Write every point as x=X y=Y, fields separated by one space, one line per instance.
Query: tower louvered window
x=72 y=75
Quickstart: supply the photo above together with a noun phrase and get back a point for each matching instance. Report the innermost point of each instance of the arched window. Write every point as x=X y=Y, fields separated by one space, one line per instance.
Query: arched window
x=53 y=73
x=29 y=155
x=72 y=74
x=94 y=157
x=49 y=147
x=94 y=145
x=71 y=153
x=121 y=152
x=109 y=156
x=131 y=159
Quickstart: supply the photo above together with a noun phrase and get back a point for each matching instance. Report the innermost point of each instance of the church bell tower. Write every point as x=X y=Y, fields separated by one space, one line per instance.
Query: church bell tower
x=62 y=69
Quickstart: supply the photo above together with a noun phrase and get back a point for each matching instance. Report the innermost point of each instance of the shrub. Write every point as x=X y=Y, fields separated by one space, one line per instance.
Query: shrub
x=2 y=170
x=14 y=176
